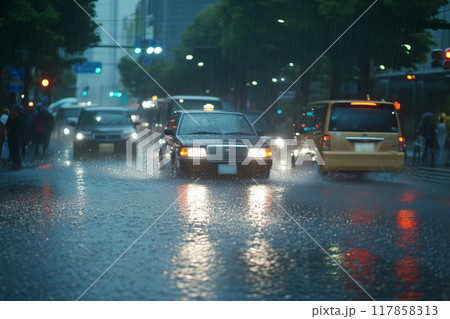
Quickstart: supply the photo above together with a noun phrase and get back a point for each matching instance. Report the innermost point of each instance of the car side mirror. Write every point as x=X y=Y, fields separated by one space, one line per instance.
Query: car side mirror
x=169 y=132
x=260 y=132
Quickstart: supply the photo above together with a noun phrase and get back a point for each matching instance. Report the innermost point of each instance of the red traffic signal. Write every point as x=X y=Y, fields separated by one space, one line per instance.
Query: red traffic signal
x=45 y=83
x=411 y=76
x=446 y=59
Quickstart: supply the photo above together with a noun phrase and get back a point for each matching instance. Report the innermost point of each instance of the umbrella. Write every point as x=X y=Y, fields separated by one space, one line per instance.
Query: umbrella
x=426 y=114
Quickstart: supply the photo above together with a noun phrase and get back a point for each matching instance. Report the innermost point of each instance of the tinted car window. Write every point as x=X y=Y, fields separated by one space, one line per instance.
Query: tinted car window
x=380 y=118
x=314 y=118
x=105 y=118
x=214 y=123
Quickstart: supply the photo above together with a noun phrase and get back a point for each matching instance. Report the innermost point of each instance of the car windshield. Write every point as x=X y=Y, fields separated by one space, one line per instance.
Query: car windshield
x=380 y=118
x=71 y=112
x=215 y=123
x=105 y=118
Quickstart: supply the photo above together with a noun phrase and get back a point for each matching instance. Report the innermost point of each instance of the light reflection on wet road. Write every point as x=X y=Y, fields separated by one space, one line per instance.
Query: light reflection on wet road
x=63 y=223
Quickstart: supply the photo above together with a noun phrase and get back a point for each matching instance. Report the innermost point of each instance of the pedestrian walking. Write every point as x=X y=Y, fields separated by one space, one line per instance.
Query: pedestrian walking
x=3 y=133
x=441 y=136
x=428 y=131
x=41 y=130
x=13 y=128
x=23 y=130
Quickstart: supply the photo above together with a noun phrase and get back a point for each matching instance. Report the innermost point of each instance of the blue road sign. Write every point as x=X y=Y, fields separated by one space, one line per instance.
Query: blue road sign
x=88 y=67
x=16 y=86
x=16 y=73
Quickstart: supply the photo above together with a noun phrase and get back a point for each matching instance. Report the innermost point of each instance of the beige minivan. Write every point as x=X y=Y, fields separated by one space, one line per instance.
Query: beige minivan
x=348 y=135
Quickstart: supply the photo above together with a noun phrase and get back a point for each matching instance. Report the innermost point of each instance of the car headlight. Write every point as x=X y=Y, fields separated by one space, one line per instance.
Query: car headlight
x=66 y=131
x=83 y=135
x=131 y=135
x=263 y=152
x=197 y=152
x=278 y=142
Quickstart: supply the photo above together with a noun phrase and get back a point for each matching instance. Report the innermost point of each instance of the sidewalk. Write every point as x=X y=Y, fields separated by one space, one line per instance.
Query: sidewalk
x=438 y=172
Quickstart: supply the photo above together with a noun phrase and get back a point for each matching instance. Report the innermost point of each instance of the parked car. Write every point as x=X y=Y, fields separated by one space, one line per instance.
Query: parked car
x=103 y=129
x=214 y=143
x=351 y=136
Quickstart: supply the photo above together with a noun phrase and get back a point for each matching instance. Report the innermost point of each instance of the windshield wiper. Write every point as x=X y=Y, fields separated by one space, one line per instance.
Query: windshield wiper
x=238 y=133
x=201 y=132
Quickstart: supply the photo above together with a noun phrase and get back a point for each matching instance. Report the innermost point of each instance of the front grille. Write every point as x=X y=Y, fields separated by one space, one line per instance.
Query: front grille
x=111 y=137
x=213 y=152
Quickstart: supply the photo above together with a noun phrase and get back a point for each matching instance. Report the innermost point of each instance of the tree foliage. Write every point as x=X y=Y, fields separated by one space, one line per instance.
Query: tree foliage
x=246 y=40
x=45 y=36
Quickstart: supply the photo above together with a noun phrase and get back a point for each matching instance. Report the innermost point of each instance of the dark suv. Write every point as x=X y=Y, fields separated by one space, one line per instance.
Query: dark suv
x=103 y=129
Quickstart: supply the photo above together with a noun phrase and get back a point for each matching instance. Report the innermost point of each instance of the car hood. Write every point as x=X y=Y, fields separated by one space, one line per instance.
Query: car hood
x=104 y=129
x=204 y=140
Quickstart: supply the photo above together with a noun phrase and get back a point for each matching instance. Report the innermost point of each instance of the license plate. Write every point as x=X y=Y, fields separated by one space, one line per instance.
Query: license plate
x=364 y=147
x=225 y=169
x=106 y=147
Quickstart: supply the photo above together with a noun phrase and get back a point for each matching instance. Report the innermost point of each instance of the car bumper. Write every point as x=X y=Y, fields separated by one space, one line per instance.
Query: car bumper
x=379 y=162
x=101 y=147
x=204 y=167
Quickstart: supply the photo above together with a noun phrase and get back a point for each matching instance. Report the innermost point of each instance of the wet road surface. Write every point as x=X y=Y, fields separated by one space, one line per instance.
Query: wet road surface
x=64 y=223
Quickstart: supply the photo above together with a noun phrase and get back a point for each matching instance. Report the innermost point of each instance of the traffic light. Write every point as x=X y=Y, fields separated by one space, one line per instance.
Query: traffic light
x=147 y=46
x=411 y=77
x=115 y=94
x=85 y=90
x=441 y=58
x=446 y=59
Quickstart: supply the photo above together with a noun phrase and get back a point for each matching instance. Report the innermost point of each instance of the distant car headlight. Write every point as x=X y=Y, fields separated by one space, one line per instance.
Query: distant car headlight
x=278 y=142
x=196 y=152
x=134 y=117
x=80 y=136
x=263 y=152
x=66 y=131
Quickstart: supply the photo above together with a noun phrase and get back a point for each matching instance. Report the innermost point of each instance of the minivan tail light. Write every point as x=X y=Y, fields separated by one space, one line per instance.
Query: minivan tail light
x=401 y=144
x=325 y=142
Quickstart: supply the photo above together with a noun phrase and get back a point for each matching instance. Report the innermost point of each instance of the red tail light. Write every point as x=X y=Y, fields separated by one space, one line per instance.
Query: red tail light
x=401 y=144
x=325 y=143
